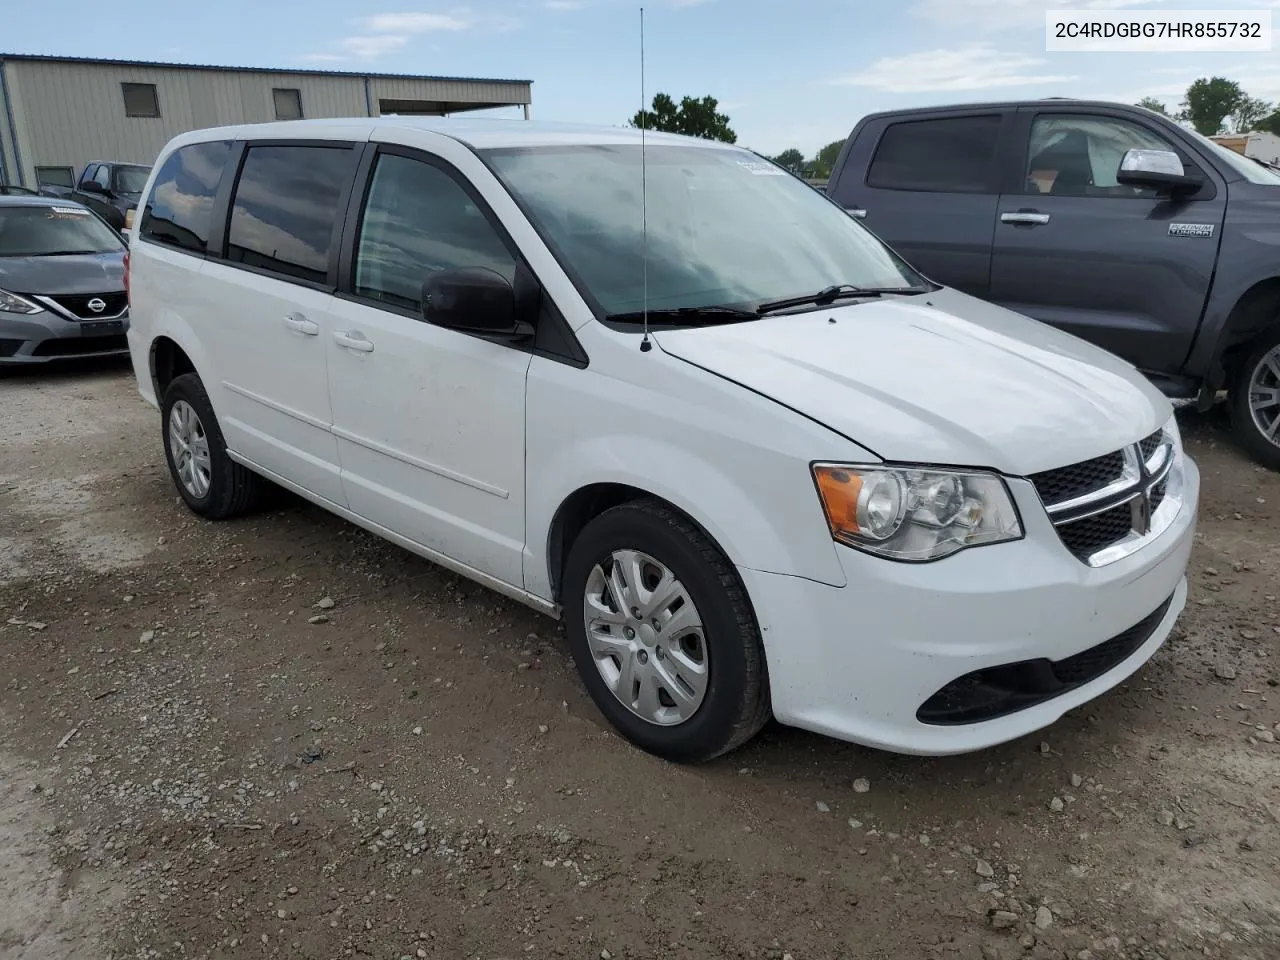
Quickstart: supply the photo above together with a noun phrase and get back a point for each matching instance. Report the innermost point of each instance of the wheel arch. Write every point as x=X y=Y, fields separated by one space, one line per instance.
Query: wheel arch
x=167 y=361
x=1255 y=312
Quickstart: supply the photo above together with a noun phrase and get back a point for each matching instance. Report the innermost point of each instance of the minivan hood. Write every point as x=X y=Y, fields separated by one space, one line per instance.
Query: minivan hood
x=85 y=273
x=940 y=378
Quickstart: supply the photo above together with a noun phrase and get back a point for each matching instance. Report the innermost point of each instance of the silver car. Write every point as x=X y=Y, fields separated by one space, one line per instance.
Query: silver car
x=62 y=282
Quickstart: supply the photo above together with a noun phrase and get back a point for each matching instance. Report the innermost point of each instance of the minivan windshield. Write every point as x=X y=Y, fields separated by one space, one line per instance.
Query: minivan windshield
x=131 y=179
x=54 y=231
x=725 y=227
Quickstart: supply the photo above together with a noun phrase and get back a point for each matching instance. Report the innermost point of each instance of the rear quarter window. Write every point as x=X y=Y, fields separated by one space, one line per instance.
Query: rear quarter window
x=179 y=210
x=943 y=155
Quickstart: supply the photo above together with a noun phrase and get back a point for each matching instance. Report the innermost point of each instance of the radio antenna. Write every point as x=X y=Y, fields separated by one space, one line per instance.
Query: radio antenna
x=645 y=345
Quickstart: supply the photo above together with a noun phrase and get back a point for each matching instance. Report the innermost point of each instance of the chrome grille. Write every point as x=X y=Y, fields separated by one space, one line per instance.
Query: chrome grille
x=1102 y=503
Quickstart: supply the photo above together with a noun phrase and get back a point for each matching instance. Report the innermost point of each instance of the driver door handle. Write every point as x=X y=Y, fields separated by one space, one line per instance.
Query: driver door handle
x=353 y=340
x=1026 y=217
x=300 y=324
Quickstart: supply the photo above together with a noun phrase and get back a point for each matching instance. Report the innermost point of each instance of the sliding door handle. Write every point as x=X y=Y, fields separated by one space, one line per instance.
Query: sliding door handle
x=353 y=340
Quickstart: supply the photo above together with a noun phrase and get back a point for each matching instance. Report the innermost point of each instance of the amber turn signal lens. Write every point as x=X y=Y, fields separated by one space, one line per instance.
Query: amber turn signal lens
x=839 y=490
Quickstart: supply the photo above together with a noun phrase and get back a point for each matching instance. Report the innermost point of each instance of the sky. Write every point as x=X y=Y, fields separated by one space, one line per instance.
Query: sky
x=789 y=73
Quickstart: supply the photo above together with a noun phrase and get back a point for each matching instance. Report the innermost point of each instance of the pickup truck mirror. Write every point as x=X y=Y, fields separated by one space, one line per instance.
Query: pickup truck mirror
x=91 y=186
x=1160 y=169
x=471 y=299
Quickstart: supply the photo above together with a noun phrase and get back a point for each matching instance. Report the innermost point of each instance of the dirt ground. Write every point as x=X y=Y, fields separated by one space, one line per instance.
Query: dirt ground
x=282 y=737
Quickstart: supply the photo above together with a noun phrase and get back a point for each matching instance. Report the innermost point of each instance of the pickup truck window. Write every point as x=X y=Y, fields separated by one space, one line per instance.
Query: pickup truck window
x=1079 y=156
x=102 y=176
x=944 y=155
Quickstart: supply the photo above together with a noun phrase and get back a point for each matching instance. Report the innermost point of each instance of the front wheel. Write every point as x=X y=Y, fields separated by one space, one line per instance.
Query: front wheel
x=663 y=634
x=1255 y=401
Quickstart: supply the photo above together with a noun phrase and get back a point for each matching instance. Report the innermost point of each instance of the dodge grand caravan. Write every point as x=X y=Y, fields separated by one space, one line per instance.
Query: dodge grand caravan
x=669 y=393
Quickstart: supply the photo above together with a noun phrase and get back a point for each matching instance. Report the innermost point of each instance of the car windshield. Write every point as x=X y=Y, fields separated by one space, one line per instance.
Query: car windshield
x=131 y=179
x=1251 y=170
x=724 y=227
x=51 y=231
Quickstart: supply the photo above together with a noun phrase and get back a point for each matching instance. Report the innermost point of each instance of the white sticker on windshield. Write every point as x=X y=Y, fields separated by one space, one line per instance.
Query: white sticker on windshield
x=70 y=211
x=762 y=169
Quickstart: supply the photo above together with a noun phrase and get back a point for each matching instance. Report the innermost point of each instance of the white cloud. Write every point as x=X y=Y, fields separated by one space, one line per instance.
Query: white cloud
x=972 y=67
x=373 y=46
x=563 y=5
x=989 y=14
x=414 y=22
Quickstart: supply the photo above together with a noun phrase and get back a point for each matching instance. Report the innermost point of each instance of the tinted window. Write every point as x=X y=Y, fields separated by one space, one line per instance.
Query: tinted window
x=285 y=208
x=131 y=179
x=140 y=100
x=1079 y=156
x=180 y=206
x=418 y=220
x=952 y=155
x=288 y=103
x=89 y=172
x=102 y=176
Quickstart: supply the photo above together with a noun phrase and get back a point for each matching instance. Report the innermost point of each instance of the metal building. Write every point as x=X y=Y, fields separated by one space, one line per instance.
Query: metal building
x=59 y=113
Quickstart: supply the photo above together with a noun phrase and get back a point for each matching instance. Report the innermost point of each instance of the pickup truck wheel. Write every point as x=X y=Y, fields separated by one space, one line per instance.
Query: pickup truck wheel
x=1255 y=401
x=663 y=634
x=210 y=482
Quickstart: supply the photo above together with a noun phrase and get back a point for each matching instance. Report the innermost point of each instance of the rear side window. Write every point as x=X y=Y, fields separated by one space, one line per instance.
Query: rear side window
x=947 y=155
x=285 y=208
x=179 y=211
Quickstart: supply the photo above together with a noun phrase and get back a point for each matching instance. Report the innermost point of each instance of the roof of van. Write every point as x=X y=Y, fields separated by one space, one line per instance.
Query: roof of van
x=481 y=134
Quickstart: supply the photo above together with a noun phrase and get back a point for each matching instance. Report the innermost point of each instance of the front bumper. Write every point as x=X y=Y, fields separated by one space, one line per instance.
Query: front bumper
x=859 y=662
x=47 y=336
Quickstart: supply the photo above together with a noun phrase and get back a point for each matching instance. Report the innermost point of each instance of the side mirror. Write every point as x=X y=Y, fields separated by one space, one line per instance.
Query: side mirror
x=1159 y=169
x=473 y=300
x=91 y=186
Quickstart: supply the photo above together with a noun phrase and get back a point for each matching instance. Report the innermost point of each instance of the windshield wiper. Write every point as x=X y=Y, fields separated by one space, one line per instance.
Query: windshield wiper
x=713 y=314
x=829 y=295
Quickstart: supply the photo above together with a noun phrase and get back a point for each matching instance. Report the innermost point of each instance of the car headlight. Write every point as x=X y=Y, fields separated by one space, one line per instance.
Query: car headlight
x=12 y=303
x=905 y=513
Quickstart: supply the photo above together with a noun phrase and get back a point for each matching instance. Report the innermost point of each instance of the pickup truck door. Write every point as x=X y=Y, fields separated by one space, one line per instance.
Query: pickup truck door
x=928 y=185
x=1113 y=264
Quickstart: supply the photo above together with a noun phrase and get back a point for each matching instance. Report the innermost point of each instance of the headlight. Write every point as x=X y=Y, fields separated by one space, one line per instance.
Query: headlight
x=12 y=303
x=908 y=514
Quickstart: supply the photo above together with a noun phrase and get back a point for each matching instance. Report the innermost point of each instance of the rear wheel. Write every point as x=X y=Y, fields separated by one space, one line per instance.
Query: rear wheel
x=1255 y=401
x=663 y=634
x=210 y=482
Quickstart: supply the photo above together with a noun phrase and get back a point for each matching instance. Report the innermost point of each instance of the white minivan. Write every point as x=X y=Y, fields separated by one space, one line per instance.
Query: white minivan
x=668 y=393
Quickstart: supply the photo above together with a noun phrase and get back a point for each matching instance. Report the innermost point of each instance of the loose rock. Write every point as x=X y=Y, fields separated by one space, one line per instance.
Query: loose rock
x=862 y=785
x=984 y=869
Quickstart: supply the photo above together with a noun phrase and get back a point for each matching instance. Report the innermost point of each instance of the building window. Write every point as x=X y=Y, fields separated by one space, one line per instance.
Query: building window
x=55 y=177
x=140 y=100
x=288 y=103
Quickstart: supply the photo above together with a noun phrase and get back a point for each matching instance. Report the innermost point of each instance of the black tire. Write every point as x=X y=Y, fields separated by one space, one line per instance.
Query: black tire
x=736 y=704
x=1247 y=432
x=233 y=489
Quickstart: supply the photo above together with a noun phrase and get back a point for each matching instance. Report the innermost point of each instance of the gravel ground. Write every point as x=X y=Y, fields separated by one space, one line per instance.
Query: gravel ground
x=282 y=737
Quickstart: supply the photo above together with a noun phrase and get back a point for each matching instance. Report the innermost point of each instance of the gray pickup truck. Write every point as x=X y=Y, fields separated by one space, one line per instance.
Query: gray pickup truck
x=1109 y=221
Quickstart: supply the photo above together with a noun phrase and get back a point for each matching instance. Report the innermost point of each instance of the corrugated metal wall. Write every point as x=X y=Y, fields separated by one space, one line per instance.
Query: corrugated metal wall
x=69 y=113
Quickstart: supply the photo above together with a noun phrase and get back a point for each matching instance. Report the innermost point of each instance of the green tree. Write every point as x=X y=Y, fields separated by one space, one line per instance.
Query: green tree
x=692 y=117
x=792 y=160
x=1248 y=113
x=825 y=161
x=1209 y=102
x=1269 y=124
x=1151 y=103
